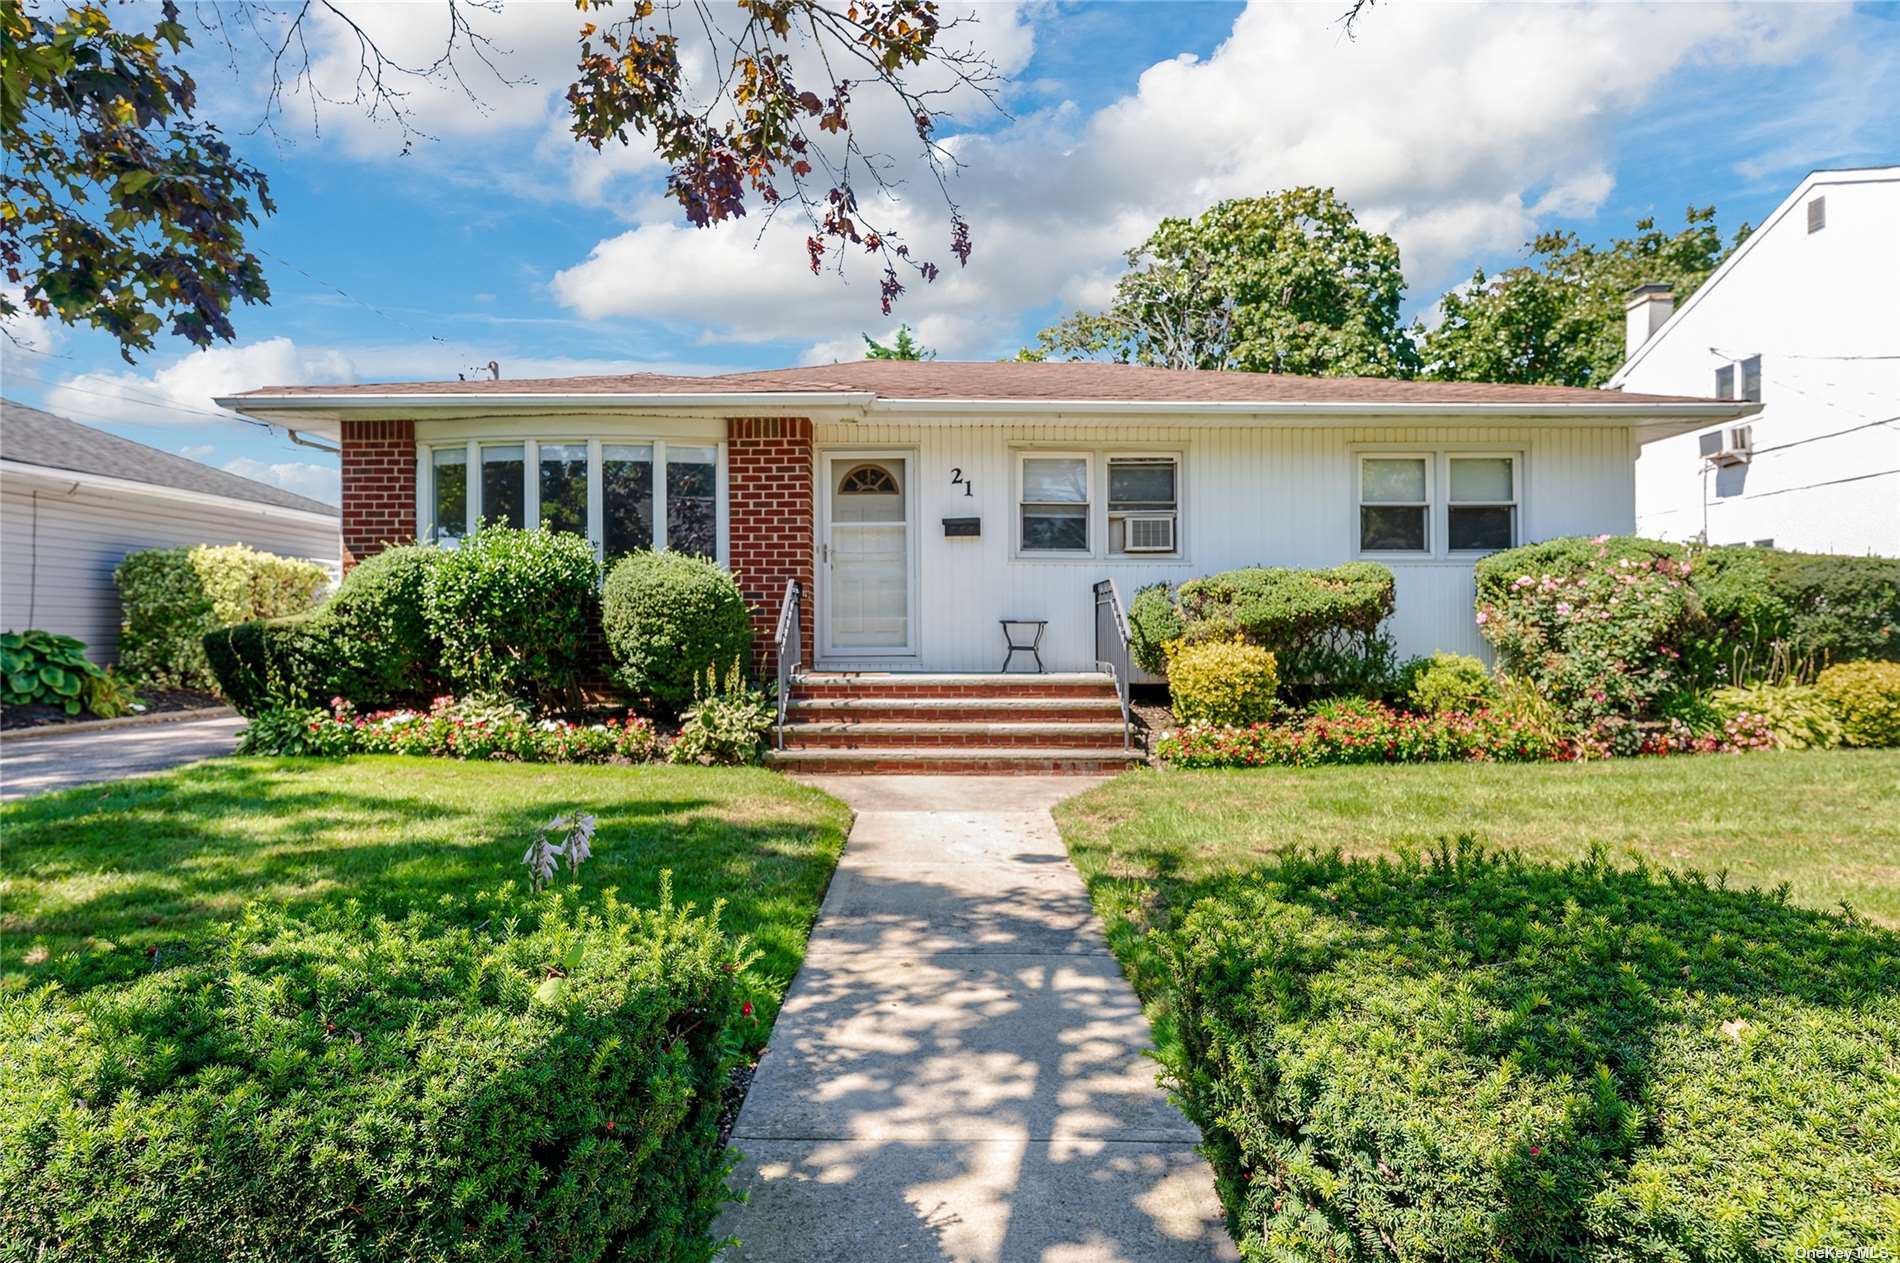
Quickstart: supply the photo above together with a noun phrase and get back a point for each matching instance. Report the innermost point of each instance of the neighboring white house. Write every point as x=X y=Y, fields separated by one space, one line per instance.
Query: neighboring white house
x=75 y=500
x=1805 y=318
x=917 y=504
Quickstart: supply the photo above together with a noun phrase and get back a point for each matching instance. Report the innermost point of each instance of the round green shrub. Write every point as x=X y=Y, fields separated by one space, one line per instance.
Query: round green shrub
x=1449 y=682
x=1230 y=683
x=513 y=610
x=1865 y=697
x=668 y=618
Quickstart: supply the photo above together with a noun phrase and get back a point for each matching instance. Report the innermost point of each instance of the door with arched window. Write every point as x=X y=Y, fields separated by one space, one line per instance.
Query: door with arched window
x=865 y=558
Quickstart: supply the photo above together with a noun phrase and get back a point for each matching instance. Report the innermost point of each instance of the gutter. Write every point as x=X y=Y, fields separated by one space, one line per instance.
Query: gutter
x=865 y=402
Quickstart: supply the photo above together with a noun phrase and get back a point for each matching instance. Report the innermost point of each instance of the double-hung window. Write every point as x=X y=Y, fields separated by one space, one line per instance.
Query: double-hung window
x=1480 y=503
x=1054 y=504
x=1431 y=504
x=1144 y=504
x=1395 y=504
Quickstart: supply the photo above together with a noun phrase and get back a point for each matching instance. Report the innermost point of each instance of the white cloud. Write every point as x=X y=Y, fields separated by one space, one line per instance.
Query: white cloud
x=319 y=482
x=196 y=451
x=181 y=392
x=25 y=333
x=1452 y=127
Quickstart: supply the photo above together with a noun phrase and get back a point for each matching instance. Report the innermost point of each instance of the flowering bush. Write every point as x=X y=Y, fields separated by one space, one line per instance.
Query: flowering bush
x=1601 y=629
x=1370 y=732
x=445 y=730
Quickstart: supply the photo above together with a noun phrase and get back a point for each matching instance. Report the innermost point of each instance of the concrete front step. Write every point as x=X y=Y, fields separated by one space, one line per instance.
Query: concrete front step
x=882 y=736
x=959 y=760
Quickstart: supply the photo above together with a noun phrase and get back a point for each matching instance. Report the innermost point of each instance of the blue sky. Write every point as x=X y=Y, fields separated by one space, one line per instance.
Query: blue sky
x=1461 y=130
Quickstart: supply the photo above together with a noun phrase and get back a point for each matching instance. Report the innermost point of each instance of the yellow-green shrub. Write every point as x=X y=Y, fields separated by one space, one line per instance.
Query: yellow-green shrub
x=1448 y=682
x=172 y=597
x=1225 y=682
x=1865 y=697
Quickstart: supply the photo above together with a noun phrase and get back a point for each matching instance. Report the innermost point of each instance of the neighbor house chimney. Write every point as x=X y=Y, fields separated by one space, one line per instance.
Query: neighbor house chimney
x=1648 y=306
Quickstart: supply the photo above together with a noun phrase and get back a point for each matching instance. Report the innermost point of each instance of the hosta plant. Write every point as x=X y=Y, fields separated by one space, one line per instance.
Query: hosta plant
x=43 y=669
x=727 y=724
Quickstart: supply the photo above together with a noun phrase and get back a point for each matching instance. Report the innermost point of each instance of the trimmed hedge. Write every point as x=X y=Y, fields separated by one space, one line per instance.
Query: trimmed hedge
x=527 y=1081
x=1825 y=608
x=1305 y=618
x=171 y=597
x=669 y=618
x=514 y=611
x=1472 y=1057
x=369 y=644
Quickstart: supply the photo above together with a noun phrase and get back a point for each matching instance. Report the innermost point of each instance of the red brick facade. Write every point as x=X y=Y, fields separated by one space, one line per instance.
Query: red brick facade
x=379 y=487
x=769 y=522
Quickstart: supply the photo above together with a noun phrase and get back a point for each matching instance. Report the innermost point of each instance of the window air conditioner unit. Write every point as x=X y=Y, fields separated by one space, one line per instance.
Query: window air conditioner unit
x=1732 y=445
x=1149 y=533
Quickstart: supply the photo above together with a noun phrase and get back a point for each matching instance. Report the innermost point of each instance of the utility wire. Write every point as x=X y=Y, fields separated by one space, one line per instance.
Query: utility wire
x=338 y=290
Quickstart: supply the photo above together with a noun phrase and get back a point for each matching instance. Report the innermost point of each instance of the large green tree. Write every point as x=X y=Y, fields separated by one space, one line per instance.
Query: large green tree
x=1558 y=319
x=123 y=210
x=904 y=346
x=1288 y=283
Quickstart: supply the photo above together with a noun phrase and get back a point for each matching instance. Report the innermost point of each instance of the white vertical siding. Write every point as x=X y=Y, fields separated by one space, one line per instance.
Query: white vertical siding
x=58 y=551
x=1251 y=495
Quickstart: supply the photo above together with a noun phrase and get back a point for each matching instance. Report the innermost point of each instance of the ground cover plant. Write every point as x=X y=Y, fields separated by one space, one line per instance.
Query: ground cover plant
x=1488 y=1058
x=301 y=978
x=475 y=727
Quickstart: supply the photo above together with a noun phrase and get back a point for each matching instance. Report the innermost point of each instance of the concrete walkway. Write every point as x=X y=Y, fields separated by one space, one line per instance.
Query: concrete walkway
x=40 y=763
x=958 y=1071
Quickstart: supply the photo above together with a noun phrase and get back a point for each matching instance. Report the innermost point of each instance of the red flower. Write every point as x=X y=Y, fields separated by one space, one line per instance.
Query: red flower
x=745 y=1010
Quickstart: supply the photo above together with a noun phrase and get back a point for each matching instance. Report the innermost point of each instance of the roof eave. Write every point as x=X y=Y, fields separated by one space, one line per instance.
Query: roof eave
x=106 y=482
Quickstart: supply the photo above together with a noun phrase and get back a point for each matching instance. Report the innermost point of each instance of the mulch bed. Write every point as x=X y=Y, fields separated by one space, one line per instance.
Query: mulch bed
x=155 y=701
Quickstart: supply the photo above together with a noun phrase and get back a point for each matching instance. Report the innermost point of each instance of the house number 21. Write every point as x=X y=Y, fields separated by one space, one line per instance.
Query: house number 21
x=956 y=480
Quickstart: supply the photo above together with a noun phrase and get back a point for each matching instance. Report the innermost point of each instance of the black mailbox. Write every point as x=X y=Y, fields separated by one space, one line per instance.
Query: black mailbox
x=962 y=527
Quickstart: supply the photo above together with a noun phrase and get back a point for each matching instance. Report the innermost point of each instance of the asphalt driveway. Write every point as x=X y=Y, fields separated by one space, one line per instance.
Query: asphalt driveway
x=42 y=762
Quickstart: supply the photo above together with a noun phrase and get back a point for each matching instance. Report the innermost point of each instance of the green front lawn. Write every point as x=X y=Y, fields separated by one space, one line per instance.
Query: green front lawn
x=1455 y=1055
x=95 y=881
x=1825 y=822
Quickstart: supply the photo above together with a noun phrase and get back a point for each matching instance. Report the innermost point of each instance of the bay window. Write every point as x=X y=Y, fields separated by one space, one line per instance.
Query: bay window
x=449 y=477
x=504 y=496
x=1055 y=504
x=621 y=496
x=692 y=499
x=626 y=480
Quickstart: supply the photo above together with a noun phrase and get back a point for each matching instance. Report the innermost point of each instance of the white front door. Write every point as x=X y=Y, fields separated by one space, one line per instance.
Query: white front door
x=865 y=561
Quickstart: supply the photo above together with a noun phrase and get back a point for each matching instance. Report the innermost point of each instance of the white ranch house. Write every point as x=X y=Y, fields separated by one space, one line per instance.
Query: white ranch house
x=921 y=503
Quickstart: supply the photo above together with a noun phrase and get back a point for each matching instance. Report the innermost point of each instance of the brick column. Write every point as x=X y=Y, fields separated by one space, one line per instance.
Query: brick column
x=769 y=522
x=379 y=487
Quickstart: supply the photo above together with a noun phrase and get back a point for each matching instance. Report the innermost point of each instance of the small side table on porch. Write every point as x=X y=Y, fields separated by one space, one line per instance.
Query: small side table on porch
x=1023 y=635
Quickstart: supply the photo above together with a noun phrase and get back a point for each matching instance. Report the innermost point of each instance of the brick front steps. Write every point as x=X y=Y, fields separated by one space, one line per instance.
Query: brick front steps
x=971 y=724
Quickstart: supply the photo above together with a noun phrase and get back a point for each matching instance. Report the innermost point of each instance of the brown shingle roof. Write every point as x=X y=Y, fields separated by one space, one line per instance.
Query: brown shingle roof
x=1006 y=380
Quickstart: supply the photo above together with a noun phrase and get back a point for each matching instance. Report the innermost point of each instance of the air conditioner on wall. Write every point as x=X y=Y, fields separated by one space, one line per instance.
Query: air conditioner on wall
x=1149 y=533
x=1730 y=445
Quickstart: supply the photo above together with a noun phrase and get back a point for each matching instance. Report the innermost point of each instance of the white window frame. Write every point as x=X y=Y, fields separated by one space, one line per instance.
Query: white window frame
x=1439 y=500
x=1110 y=545
x=1018 y=504
x=596 y=490
x=1432 y=532
x=1515 y=504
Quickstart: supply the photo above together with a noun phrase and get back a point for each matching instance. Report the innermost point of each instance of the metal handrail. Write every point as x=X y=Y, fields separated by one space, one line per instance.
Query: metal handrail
x=1112 y=651
x=789 y=645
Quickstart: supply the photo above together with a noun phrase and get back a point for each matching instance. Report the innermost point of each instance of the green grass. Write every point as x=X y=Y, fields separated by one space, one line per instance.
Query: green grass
x=1827 y=823
x=93 y=881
